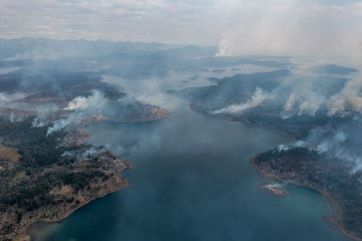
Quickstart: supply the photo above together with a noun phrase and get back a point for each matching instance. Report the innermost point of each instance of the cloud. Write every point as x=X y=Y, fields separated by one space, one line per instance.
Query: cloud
x=146 y=21
x=322 y=29
x=244 y=26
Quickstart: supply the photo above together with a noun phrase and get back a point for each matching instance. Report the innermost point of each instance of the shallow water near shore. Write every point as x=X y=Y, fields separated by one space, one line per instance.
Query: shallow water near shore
x=192 y=180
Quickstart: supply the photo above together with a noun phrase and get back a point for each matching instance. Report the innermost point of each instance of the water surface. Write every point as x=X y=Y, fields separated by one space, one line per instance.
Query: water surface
x=193 y=181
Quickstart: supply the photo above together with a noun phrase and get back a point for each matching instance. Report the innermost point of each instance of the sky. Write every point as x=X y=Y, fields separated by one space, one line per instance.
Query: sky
x=320 y=27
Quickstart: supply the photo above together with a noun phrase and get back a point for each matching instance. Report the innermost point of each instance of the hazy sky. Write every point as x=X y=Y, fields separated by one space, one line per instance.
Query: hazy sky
x=238 y=26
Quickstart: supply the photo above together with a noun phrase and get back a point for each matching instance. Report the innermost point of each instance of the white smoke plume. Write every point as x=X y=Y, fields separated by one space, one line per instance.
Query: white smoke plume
x=61 y=124
x=324 y=32
x=341 y=142
x=95 y=101
x=348 y=99
x=40 y=54
x=311 y=104
x=307 y=93
x=257 y=99
x=7 y=99
x=291 y=102
x=81 y=108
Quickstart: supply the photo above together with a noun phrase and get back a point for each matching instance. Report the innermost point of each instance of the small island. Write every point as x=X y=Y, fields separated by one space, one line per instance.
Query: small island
x=275 y=189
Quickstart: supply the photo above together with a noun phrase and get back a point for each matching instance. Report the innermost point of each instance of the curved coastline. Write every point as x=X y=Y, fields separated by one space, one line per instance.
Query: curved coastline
x=118 y=184
x=334 y=220
x=112 y=185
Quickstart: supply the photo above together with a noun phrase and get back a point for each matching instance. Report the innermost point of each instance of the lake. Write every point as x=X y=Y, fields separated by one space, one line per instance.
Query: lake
x=192 y=180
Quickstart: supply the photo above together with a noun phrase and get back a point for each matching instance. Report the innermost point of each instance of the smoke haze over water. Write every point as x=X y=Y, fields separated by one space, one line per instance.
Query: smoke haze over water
x=316 y=46
x=165 y=84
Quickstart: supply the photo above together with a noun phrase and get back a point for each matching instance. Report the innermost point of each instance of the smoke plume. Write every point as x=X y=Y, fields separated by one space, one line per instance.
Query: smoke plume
x=256 y=99
x=80 y=103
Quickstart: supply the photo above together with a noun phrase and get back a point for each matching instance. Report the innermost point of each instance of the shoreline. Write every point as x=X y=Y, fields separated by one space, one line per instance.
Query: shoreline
x=117 y=183
x=28 y=236
x=247 y=123
x=333 y=220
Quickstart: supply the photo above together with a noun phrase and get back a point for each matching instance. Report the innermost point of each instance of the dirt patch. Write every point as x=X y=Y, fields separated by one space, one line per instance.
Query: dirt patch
x=64 y=190
x=9 y=154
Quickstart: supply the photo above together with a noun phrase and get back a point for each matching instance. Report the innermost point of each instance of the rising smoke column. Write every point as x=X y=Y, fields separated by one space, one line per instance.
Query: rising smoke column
x=256 y=99
x=81 y=108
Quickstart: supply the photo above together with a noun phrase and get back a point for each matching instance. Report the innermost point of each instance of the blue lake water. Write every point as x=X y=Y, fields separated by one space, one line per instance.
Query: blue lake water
x=192 y=181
